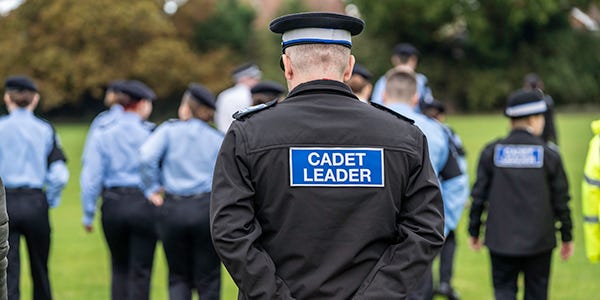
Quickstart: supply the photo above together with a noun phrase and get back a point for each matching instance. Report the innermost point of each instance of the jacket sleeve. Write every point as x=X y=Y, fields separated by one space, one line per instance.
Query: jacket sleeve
x=234 y=228
x=151 y=153
x=559 y=186
x=590 y=193
x=3 y=241
x=57 y=175
x=420 y=223
x=480 y=191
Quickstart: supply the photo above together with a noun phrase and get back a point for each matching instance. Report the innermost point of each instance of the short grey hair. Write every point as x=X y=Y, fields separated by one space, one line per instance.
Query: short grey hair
x=319 y=58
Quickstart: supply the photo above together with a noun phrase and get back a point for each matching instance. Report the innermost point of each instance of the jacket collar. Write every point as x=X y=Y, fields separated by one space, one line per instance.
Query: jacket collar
x=322 y=86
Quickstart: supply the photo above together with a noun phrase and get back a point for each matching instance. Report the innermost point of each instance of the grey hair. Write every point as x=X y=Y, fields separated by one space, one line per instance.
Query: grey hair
x=319 y=58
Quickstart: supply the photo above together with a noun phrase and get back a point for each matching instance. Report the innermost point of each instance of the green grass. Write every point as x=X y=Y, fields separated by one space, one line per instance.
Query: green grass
x=79 y=262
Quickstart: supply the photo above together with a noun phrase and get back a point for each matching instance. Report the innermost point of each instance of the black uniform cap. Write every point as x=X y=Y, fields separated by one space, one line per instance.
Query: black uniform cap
x=20 y=83
x=116 y=85
x=201 y=95
x=434 y=104
x=362 y=71
x=268 y=87
x=406 y=49
x=138 y=90
x=523 y=103
x=322 y=20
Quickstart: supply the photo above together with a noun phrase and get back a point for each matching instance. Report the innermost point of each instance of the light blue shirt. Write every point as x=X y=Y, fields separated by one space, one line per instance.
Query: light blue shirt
x=103 y=119
x=437 y=140
x=180 y=156
x=422 y=89
x=26 y=143
x=455 y=191
x=112 y=160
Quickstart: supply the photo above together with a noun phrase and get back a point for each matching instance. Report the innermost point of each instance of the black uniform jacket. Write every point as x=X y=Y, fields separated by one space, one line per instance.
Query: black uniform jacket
x=524 y=197
x=324 y=242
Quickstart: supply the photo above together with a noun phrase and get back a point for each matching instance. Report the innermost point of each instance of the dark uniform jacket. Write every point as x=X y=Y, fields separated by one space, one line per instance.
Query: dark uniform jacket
x=324 y=242
x=522 y=182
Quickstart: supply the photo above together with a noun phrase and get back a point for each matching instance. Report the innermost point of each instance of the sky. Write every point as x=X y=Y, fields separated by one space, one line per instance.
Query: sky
x=8 y=5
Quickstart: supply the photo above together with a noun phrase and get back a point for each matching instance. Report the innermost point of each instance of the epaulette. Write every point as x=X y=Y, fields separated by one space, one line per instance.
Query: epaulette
x=381 y=107
x=554 y=147
x=240 y=115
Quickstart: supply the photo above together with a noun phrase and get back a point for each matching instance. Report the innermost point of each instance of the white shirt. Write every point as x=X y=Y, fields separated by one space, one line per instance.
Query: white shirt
x=229 y=102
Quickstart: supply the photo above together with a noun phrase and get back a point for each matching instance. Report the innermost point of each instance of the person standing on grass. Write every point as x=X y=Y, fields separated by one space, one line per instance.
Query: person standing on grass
x=522 y=185
x=455 y=192
x=111 y=168
x=179 y=158
x=106 y=117
x=590 y=196
x=33 y=168
x=307 y=201
x=237 y=97
x=405 y=57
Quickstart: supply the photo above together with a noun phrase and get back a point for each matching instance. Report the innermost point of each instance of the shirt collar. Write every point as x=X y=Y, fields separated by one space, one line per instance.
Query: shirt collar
x=326 y=86
x=21 y=112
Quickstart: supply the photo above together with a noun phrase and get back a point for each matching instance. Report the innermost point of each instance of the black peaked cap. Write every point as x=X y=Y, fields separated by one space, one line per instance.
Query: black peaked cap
x=267 y=87
x=138 y=90
x=317 y=20
x=201 y=95
x=20 y=83
x=362 y=71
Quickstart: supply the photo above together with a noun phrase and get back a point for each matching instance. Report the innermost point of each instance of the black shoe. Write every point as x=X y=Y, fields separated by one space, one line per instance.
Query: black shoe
x=446 y=290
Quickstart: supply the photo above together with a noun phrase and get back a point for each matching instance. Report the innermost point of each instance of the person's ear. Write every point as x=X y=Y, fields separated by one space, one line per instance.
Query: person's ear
x=287 y=66
x=349 y=68
x=34 y=103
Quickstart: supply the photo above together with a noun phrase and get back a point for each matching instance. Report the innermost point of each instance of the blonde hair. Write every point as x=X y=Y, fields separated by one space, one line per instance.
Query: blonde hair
x=400 y=86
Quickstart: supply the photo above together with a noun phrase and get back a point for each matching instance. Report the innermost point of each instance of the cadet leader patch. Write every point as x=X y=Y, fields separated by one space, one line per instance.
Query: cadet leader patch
x=519 y=156
x=336 y=167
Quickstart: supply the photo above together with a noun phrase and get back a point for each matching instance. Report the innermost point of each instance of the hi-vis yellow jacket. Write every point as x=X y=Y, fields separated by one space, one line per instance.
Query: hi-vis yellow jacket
x=590 y=193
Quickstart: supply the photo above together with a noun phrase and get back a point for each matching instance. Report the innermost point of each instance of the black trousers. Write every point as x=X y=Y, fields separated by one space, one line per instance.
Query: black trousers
x=128 y=220
x=184 y=229
x=28 y=217
x=447 y=258
x=506 y=269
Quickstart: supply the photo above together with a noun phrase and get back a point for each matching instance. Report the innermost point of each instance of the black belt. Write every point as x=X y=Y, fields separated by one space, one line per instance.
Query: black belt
x=173 y=197
x=22 y=189
x=124 y=189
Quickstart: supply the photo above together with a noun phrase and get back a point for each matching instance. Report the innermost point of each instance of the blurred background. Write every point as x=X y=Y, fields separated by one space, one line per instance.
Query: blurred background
x=473 y=52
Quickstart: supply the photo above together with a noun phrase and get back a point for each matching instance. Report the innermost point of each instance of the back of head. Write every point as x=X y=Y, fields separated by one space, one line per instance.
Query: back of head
x=316 y=45
x=525 y=103
x=533 y=81
x=405 y=51
x=321 y=60
x=400 y=86
x=247 y=70
x=20 y=89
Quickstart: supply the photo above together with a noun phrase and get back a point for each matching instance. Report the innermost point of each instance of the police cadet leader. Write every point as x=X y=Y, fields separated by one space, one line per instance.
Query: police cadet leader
x=111 y=168
x=32 y=166
x=308 y=202
x=522 y=183
x=179 y=157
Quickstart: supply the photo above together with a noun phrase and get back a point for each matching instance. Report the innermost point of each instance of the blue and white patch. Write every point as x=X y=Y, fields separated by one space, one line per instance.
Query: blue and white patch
x=519 y=156
x=336 y=167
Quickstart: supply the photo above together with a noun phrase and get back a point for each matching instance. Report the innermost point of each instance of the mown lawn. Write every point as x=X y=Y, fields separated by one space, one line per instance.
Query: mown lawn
x=79 y=263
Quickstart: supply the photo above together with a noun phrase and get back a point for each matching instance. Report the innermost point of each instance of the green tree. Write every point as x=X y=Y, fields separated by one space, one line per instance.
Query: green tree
x=73 y=47
x=475 y=52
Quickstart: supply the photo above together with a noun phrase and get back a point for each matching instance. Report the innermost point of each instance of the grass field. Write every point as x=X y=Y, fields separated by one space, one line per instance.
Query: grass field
x=79 y=262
